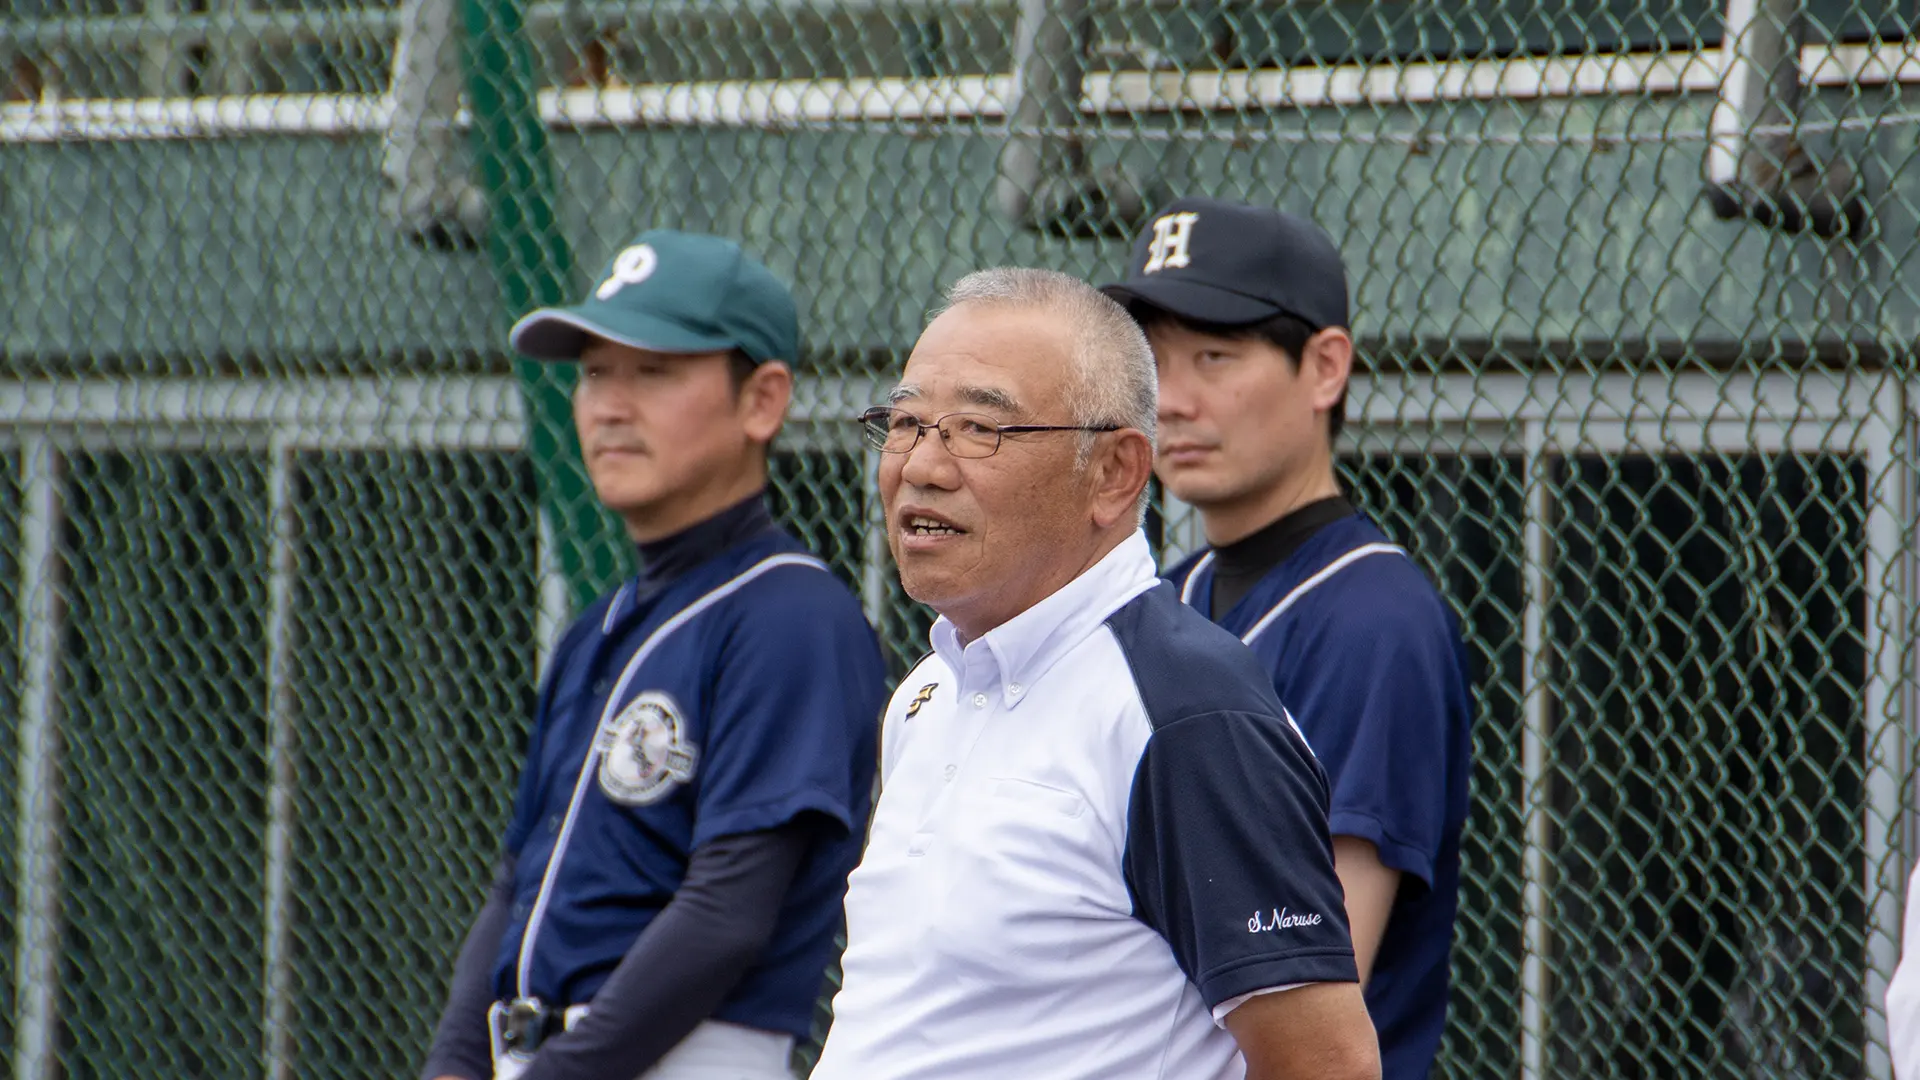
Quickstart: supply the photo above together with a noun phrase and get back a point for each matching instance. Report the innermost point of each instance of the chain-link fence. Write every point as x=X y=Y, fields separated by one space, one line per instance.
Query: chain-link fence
x=284 y=528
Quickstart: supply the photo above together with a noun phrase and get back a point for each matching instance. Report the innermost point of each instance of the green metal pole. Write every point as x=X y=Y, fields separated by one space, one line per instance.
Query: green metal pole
x=534 y=267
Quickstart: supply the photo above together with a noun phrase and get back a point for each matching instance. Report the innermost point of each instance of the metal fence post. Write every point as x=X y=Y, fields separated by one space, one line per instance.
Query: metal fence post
x=533 y=265
x=37 y=967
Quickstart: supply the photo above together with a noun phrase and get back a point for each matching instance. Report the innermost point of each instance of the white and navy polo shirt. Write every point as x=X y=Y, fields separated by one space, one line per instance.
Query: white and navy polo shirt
x=1098 y=832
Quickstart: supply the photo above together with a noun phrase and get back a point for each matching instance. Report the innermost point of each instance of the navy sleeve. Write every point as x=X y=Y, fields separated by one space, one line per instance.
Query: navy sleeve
x=792 y=724
x=1229 y=858
x=1380 y=690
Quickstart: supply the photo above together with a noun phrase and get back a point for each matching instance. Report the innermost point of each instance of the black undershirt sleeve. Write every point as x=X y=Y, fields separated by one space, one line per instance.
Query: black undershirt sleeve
x=687 y=960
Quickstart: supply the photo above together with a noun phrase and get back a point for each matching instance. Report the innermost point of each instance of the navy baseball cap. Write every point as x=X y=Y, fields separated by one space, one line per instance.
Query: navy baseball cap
x=672 y=292
x=1233 y=265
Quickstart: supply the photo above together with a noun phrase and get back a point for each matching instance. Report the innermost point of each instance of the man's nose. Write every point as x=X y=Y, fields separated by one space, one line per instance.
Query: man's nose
x=930 y=463
x=1176 y=395
x=605 y=404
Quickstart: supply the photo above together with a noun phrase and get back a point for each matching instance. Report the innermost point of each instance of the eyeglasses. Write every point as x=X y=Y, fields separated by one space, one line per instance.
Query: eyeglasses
x=967 y=435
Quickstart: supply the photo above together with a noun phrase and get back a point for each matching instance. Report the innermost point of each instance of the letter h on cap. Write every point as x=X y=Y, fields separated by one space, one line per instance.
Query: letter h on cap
x=1171 y=235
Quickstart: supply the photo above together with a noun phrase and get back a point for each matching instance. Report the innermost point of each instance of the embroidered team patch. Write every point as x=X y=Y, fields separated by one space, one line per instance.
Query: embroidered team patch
x=644 y=752
x=920 y=697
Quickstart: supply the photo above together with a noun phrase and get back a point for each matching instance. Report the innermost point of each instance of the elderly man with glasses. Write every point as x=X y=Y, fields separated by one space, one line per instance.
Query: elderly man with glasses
x=1101 y=847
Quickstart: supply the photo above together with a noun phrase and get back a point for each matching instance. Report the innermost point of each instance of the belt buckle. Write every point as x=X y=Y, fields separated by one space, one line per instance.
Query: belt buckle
x=526 y=1025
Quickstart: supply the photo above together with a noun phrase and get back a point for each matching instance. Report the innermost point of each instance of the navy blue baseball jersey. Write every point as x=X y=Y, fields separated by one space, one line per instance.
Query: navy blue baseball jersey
x=740 y=696
x=1367 y=657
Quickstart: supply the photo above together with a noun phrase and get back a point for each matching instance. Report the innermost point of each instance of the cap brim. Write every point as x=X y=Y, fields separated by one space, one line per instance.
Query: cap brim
x=1191 y=300
x=563 y=334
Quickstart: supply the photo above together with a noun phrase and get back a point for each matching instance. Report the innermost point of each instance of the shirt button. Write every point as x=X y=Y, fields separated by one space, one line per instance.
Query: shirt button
x=600 y=687
x=553 y=824
x=1015 y=689
x=950 y=771
x=979 y=701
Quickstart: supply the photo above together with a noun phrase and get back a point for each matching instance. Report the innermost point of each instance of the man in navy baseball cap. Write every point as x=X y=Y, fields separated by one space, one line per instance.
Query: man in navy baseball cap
x=1229 y=264
x=1246 y=310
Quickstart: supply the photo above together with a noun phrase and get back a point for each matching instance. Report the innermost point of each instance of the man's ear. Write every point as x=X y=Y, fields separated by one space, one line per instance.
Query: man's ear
x=1327 y=363
x=764 y=398
x=1120 y=471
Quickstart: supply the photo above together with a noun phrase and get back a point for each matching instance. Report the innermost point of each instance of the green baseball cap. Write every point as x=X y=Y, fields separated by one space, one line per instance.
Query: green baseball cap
x=672 y=292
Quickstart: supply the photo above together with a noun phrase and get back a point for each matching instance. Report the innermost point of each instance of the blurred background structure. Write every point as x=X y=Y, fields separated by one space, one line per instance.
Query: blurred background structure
x=284 y=528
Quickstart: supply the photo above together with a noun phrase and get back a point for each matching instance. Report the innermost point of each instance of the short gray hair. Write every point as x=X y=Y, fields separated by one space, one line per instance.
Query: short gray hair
x=1114 y=380
x=1113 y=374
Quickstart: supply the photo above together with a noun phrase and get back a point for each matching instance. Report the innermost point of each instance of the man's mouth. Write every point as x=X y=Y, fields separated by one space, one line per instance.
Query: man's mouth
x=922 y=525
x=1184 y=451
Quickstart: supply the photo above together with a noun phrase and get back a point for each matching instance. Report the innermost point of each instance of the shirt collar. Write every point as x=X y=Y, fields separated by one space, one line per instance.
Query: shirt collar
x=1019 y=651
x=667 y=560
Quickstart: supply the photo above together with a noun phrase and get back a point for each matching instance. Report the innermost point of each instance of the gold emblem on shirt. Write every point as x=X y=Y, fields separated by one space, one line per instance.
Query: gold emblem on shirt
x=921 y=697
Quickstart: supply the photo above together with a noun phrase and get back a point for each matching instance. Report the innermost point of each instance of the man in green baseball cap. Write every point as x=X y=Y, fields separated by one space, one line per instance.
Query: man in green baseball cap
x=684 y=343
x=700 y=770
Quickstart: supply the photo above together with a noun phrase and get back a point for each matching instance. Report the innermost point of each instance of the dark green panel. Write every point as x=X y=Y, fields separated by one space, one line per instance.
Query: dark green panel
x=750 y=39
x=1707 y=766
x=1266 y=33
x=356 y=66
x=32 y=9
x=1276 y=33
x=183 y=257
x=1541 y=237
x=415 y=679
x=1461 y=517
x=9 y=731
x=196 y=256
x=163 y=711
